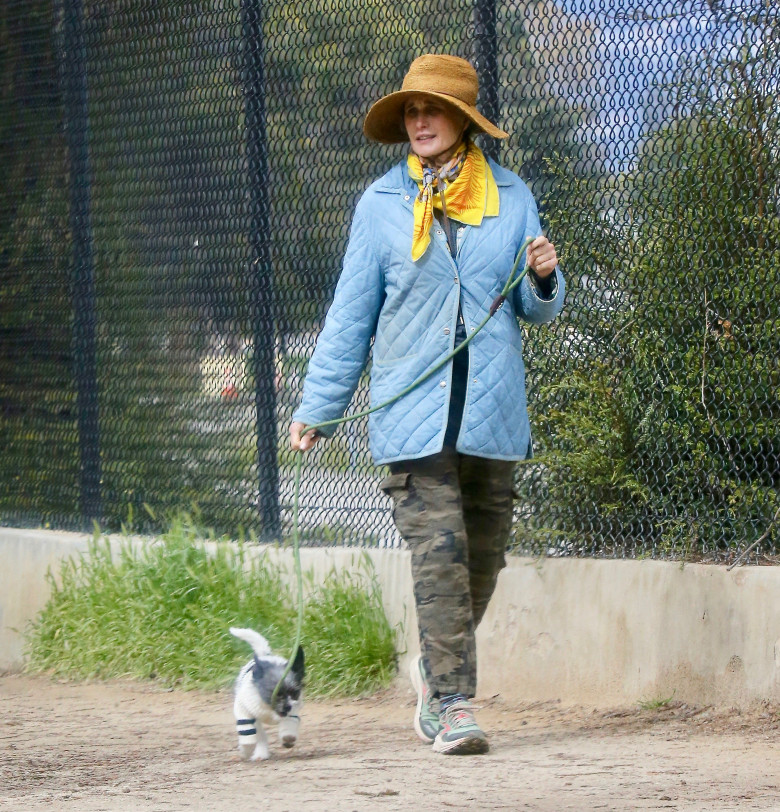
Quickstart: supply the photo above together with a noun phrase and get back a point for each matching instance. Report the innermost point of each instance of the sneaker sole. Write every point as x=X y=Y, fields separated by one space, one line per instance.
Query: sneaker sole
x=467 y=746
x=414 y=674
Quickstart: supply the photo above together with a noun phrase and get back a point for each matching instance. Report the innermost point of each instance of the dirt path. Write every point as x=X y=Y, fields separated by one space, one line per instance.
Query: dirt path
x=125 y=746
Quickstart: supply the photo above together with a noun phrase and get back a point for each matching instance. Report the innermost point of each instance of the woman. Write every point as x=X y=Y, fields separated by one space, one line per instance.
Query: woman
x=420 y=271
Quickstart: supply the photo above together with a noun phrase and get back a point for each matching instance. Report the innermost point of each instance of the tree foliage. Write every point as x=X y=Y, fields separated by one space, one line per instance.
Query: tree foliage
x=37 y=393
x=662 y=421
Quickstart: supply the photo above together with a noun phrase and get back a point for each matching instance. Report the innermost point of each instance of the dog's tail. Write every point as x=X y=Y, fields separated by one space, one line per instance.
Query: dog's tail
x=257 y=641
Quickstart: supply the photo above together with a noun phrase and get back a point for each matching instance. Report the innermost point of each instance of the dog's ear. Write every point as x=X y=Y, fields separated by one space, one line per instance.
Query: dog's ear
x=298 y=665
x=258 y=670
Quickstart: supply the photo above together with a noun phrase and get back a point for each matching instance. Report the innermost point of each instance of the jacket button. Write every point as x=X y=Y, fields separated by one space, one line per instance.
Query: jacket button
x=406 y=197
x=439 y=232
x=455 y=278
x=446 y=331
x=442 y=384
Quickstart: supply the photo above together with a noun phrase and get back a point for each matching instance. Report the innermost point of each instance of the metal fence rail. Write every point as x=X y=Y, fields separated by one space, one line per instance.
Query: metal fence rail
x=178 y=182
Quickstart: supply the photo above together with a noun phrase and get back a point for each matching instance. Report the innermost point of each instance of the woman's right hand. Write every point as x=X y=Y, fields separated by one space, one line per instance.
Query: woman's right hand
x=305 y=442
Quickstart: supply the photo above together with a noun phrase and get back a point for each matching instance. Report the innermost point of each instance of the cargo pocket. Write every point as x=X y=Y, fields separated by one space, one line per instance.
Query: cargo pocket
x=396 y=487
x=394 y=482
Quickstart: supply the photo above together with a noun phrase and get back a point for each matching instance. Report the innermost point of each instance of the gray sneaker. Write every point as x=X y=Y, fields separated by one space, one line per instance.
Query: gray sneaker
x=460 y=734
x=426 y=715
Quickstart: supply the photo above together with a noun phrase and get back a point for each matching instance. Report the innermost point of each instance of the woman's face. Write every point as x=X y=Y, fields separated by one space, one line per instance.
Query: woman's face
x=434 y=128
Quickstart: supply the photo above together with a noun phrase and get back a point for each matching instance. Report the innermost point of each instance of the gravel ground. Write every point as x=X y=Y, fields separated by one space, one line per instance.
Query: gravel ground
x=130 y=746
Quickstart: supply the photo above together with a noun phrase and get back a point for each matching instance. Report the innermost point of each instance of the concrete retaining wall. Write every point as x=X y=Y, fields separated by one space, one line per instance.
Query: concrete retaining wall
x=580 y=630
x=606 y=632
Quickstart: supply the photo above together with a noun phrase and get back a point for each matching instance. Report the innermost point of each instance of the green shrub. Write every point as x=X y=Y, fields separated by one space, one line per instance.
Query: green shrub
x=162 y=611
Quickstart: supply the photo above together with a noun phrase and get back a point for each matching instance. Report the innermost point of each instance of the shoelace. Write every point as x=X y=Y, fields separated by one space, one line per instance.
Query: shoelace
x=458 y=713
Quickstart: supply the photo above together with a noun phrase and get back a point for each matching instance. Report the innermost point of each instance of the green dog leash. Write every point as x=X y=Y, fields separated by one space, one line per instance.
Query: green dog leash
x=511 y=283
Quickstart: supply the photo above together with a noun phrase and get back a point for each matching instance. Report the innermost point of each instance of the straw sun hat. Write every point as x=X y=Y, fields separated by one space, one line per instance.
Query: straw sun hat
x=449 y=78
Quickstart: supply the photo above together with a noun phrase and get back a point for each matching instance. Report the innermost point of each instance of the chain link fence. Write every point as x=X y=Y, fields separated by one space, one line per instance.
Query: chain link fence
x=178 y=183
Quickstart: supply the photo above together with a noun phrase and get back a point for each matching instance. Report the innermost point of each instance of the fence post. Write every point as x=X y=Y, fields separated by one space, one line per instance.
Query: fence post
x=74 y=79
x=261 y=273
x=486 y=64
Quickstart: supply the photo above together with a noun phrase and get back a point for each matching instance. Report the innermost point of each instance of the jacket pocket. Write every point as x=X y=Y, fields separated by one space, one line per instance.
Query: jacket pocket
x=381 y=362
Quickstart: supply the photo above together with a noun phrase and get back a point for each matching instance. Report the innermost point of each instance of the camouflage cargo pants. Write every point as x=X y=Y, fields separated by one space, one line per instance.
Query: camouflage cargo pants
x=455 y=513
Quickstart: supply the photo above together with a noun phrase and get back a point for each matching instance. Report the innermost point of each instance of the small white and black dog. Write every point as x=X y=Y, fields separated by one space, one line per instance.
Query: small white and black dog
x=253 y=691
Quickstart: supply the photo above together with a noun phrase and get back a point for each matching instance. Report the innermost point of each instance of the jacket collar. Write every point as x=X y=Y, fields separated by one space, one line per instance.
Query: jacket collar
x=396 y=181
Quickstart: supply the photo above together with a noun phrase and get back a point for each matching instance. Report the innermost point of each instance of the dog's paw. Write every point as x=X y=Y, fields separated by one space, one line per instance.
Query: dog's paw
x=289 y=740
x=260 y=754
x=288 y=730
x=245 y=751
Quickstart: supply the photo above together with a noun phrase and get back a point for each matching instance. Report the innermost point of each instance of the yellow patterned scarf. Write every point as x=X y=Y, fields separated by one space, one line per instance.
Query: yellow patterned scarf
x=470 y=192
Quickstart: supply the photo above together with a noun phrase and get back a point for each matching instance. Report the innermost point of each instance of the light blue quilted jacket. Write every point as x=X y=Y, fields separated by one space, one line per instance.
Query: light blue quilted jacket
x=410 y=310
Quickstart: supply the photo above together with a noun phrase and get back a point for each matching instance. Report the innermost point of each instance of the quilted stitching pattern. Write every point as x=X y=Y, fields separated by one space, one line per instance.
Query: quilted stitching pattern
x=411 y=309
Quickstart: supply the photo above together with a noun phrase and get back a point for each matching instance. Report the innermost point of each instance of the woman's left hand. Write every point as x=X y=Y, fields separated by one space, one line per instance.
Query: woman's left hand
x=541 y=257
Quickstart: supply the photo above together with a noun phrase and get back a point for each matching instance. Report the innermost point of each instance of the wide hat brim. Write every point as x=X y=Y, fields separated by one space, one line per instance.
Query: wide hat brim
x=384 y=122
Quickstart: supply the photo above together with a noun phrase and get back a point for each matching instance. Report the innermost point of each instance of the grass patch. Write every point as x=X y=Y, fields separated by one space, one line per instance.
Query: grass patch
x=656 y=703
x=161 y=611
x=348 y=636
